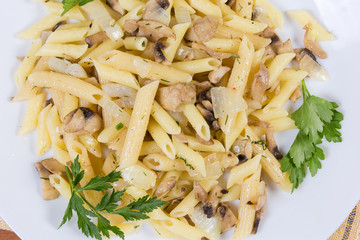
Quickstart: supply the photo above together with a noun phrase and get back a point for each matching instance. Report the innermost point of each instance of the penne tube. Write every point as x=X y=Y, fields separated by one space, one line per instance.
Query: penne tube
x=197 y=121
x=144 y=68
x=66 y=83
x=162 y=139
x=62 y=50
x=197 y=66
x=243 y=24
x=47 y=22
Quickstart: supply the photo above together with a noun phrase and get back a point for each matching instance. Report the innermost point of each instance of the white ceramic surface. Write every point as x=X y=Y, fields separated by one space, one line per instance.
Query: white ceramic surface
x=314 y=211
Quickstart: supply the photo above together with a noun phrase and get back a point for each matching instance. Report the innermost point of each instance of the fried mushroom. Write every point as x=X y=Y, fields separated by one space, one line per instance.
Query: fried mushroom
x=54 y=167
x=152 y=30
x=199 y=192
x=115 y=5
x=259 y=86
x=159 y=55
x=227 y=217
x=213 y=201
x=96 y=38
x=165 y=186
x=82 y=121
x=271 y=144
x=49 y=192
x=216 y=75
x=313 y=46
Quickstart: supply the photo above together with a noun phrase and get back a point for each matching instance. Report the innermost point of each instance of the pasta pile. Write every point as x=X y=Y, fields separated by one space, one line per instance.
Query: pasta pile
x=177 y=95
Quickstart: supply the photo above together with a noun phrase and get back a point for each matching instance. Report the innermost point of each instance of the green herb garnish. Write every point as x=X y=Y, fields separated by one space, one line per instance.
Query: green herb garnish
x=108 y=205
x=69 y=4
x=316 y=118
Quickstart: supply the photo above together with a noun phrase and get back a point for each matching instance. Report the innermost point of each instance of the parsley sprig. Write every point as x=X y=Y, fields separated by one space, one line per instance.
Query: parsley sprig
x=69 y=4
x=108 y=205
x=316 y=118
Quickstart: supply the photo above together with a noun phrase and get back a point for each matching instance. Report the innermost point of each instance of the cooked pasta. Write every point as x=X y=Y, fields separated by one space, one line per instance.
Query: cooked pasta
x=175 y=95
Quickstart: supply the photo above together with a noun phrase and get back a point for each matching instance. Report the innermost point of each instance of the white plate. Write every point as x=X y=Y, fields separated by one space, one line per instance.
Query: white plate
x=314 y=211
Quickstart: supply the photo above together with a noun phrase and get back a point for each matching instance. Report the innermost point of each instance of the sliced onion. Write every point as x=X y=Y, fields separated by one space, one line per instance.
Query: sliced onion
x=212 y=226
x=159 y=15
x=64 y=66
x=314 y=69
x=226 y=101
x=125 y=94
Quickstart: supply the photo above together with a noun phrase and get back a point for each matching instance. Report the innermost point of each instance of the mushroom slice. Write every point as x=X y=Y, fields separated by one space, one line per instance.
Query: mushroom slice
x=227 y=217
x=96 y=38
x=54 y=167
x=155 y=11
x=259 y=85
x=213 y=201
x=243 y=149
x=159 y=55
x=203 y=87
x=269 y=33
x=208 y=115
x=82 y=121
x=270 y=142
x=260 y=207
x=313 y=46
x=216 y=75
x=49 y=192
x=115 y=5
x=150 y=29
x=173 y=97
x=58 y=25
x=301 y=52
x=296 y=95
x=199 y=192
x=230 y=3
x=205 y=28
x=212 y=53
x=285 y=47
x=165 y=186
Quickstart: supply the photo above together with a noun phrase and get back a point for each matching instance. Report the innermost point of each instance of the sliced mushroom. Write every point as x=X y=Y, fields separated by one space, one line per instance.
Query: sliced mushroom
x=227 y=217
x=213 y=201
x=205 y=28
x=165 y=186
x=269 y=54
x=115 y=5
x=270 y=142
x=258 y=123
x=243 y=149
x=58 y=25
x=277 y=45
x=155 y=11
x=301 y=52
x=216 y=75
x=212 y=53
x=199 y=192
x=174 y=97
x=49 y=192
x=259 y=85
x=296 y=95
x=54 y=167
x=96 y=38
x=150 y=29
x=159 y=55
x=208 y=115
x=203 y=87
x=230 y=3
x=285 y=47
x=313 y=46
x=260 y=210
x=82 y=121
